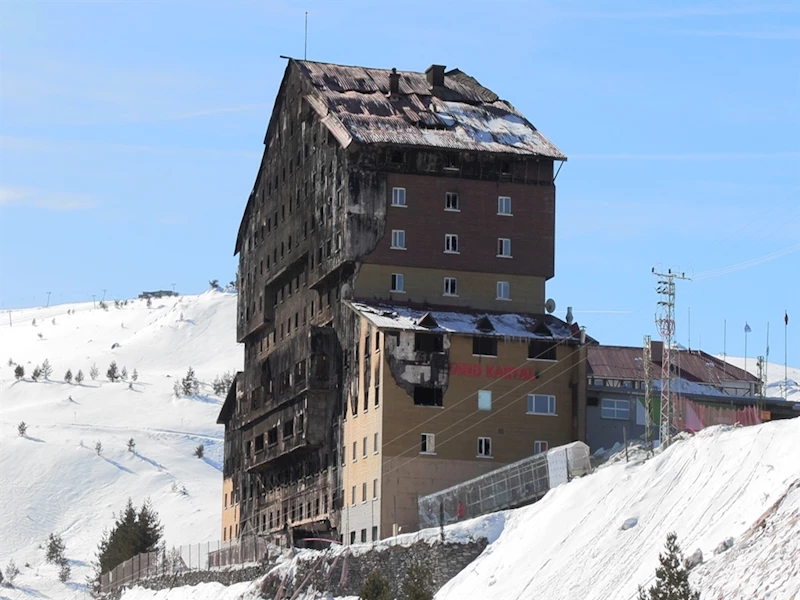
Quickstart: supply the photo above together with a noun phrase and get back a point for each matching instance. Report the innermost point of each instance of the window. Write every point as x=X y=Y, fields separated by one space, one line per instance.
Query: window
x=428 y=445
x=398 y=239
x=364 y=492
x=451 y=243
x=364 y=450
x=374 y=533
x=428 y=396
x=540 y=446
x=615 y=409
x=374 y=489
x=353 y=498
x=484 y=400
x=398 y=196
x=288 y=428
x=542 y=350
x=272 y=436
x=377 y=394
x=451 y=201
x=504 y=247
x=485 y=447
x=375 y=443
x=398 y=283
x=352 y=537
x=355 y=451
x=450 y=286
x=503 y=290
x=428 y=342
x=363 y=536
x=484 y=346
x=540 y=404
x=504 y=205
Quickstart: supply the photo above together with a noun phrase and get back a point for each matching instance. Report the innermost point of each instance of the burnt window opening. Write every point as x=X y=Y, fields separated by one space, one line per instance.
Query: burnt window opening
x=288 y=428
x=300 y=423
x=427 y=321
x=428 y=396
x=592 y=402
x=542 y=350
x=484 y=346
x=428 y=342
x=259 y=443
x=397 y=157
x=451 y=162
x=505 y=168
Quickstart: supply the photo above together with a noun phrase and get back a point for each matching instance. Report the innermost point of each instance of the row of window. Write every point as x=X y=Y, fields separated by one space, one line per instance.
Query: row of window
x=364 y=492
x=451 y=201
x=375 y=448
x=428 y=446
x=449 y=287
x=364 y=535
x=451 y=245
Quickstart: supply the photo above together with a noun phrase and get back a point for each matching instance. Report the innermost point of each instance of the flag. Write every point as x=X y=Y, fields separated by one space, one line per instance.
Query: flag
x=747 y=328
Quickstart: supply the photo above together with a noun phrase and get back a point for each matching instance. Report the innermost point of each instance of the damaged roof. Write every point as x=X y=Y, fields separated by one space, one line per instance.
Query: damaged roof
x=356 y=105
x=466 y=322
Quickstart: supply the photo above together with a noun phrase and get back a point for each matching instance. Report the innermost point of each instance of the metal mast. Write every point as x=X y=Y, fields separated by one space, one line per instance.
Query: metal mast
x=647 y=359
x=665 y=319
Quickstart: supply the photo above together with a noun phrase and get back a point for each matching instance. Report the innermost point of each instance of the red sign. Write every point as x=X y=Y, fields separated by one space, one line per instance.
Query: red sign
x=493 y=371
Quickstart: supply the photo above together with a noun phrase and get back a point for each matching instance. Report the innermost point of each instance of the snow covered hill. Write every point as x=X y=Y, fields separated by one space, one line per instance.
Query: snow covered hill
x=53 y=481
x=778 y=380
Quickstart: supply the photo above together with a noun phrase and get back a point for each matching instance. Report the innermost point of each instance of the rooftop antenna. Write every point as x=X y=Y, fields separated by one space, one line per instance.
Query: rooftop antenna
x=305 y=41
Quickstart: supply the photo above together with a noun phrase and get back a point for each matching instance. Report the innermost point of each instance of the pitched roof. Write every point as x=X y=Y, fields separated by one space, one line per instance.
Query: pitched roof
x=465 y=322
x=355 y=105
x=625 y=362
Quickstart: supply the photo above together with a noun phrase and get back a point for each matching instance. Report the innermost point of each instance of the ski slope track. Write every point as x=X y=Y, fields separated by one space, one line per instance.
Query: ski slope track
x=53 y=481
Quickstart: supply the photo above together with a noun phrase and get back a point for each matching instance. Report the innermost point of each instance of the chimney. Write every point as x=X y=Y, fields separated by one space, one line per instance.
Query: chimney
x=394 y=83
x=435 y=75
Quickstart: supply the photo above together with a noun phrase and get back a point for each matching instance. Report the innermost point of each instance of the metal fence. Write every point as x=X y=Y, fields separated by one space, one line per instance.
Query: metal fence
x=182 y=559
x=514 y=485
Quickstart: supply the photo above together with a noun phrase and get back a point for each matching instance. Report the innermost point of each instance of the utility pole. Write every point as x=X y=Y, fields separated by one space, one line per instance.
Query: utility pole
x=647 y=359
x=665 y=319
x=48 y=299
x=93 y=297
x=761 y=382
x=104 y=296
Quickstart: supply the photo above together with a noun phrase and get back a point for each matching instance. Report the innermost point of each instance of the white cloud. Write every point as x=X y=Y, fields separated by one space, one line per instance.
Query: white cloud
x=43 y=199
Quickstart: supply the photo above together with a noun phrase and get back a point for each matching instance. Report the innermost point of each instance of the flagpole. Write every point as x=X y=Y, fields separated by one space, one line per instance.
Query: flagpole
x=766 y=363
x=724 y=347
x=745 y=346
x=785 y=355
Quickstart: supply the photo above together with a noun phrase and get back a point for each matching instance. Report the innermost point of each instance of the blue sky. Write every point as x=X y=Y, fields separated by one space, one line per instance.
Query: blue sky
x=130 y=134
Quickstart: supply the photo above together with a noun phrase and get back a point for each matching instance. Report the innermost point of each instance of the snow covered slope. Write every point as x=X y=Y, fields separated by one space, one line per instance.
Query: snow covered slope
x=713 y=486
x=53 y=481
x=777 y=383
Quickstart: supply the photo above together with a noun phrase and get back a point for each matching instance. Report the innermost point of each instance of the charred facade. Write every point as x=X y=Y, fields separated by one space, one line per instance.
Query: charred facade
x=326 y=225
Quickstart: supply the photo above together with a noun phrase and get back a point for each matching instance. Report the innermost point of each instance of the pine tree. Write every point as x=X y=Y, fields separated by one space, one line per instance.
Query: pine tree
x=19 y=372
x=55 y=549
x=33 y=322
x=149 y=303
x=10 y=362
x=672 y=576
x=213 y=284
x=418 y=582
x=135 y=375
x=54 y=321
x=22 y=429
x=376 y=587
x=68 y=376
x=94 y=372
x=36 y=373
x=190 y=384
x=64 y=572
x=200 y=451
x=11 y=572
x=47 y=370
x=177 y=388
x=131 y=445
x=112 y=373
x=124 y=373
x=79 y=377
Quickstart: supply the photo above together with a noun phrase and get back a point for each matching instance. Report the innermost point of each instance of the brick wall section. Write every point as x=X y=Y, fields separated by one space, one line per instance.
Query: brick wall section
x=445 y=560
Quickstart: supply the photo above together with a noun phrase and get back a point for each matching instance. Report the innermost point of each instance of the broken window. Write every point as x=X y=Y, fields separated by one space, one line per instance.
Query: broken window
x=428 y=342
x=428 y=396
x=484 y=346
x=542 y=350
x=272 y=436
x=288 y=428
x=485 y=447
x=398 y=157
x=398 y=283
x=428 y=444
x=259 y=443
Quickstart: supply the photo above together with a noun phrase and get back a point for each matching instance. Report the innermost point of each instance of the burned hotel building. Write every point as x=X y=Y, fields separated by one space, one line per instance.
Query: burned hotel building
x=393 y=256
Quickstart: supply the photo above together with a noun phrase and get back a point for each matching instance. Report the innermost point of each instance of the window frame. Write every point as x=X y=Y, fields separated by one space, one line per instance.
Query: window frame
x=484 y=337
x=503 y=199
x=454 y=293
x=396 y=196
x=401 y=278
x=483 y=441
x=551 y=403
x=501 y=248
x=448 y=204
x=429 y=440
x=396 y=235
x=611 y=412
x=507 y=285
x=451 y=243
x=540 y=444
x=483 y=395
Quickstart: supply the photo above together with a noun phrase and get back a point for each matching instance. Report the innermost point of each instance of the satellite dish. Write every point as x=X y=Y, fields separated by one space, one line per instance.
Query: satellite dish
x=550 y=305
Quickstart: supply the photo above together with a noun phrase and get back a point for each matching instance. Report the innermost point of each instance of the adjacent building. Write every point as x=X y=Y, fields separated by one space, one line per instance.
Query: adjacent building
x=393 y=256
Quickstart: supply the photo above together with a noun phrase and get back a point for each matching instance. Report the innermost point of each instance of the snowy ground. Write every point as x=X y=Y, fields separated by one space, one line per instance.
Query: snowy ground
x=53 y=481
x=780 y=383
